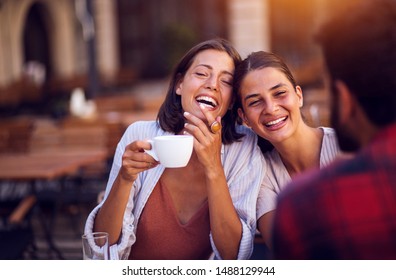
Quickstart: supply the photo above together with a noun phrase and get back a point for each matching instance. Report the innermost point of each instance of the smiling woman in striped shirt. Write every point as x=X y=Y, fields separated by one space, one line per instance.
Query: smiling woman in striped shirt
x=269 y=101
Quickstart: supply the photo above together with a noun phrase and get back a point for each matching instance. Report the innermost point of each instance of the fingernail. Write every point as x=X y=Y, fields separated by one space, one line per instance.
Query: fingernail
x=186 y=114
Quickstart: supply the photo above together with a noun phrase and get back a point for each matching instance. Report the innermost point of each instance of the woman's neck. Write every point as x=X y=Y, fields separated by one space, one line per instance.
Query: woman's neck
x=301 y=151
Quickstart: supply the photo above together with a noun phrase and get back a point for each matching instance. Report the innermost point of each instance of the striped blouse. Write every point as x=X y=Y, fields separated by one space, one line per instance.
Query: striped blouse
x=277 y=176
x=243 y=165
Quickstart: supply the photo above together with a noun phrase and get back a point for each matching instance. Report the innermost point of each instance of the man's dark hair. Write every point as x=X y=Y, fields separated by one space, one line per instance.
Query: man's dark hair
x=359 y=48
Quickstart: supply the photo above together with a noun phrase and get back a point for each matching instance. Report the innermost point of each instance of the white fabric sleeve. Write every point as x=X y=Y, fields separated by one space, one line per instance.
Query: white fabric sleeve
x=121 y=249
x=244 y=172
x=266 y=200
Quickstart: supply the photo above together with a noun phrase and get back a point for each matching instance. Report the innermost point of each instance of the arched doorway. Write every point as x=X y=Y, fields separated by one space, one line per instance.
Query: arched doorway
x=36 y=38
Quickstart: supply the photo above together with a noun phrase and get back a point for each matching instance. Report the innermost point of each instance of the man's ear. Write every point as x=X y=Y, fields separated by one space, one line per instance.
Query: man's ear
x=241 y=114
x=346 y=102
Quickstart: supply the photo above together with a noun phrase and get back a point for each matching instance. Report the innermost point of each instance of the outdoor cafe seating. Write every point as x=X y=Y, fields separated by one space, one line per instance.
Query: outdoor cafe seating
x=48 y=162
x=56 y=160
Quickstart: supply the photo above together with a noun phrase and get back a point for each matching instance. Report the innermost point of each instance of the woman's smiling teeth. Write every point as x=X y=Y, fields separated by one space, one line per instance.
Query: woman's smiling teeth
x=206 y=101
x=271 y=123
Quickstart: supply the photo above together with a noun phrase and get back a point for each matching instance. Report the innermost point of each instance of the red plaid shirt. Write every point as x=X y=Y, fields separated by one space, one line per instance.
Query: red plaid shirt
x=344 y=211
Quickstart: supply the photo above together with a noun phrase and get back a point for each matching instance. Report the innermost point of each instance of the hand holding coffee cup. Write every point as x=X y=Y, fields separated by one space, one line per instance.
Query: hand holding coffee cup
x=172 y=151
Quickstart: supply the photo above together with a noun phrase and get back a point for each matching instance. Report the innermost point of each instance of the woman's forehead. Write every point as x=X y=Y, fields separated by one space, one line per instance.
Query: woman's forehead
x=264 y=78
x=214 y=58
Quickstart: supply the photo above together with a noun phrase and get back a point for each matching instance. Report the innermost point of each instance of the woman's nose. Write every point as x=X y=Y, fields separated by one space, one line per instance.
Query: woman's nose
x=270 y=107
x=211 y=83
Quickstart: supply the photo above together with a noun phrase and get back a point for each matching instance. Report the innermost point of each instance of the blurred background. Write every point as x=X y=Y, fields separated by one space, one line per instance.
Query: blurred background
x=48 y=48
x=75 y=73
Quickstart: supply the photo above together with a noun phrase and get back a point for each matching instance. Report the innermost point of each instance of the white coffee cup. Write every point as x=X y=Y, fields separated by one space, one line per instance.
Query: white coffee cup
x=171 y=151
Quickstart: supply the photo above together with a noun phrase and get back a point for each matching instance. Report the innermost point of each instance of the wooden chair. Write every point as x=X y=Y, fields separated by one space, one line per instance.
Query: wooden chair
x=72 y=136
x=46 y=137
x=113 y=130
x=4 y=135
x=16 y=233
x=116 y=103
x=15 y=134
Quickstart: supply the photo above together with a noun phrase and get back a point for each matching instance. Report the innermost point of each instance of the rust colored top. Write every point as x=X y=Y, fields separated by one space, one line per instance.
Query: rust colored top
x=161 y=236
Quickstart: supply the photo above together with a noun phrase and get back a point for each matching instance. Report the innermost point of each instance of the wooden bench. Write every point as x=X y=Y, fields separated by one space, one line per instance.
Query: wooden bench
x=15 y=134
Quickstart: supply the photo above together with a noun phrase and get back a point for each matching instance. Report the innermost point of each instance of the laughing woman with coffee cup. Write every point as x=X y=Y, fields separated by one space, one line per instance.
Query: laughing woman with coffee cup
x=208 y=206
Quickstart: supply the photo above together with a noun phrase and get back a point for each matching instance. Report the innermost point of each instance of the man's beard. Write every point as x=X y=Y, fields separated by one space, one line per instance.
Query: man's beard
x=347 y=142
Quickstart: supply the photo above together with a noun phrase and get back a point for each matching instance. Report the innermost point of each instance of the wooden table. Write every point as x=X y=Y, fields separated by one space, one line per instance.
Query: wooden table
x=127 y=118
x=34 y=167
x=47 y=165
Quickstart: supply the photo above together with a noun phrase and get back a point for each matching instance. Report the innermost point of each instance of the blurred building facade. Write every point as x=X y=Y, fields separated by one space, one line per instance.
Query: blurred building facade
x=48 y=47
